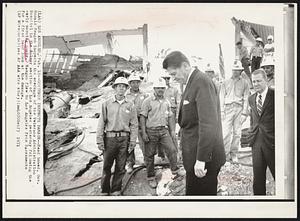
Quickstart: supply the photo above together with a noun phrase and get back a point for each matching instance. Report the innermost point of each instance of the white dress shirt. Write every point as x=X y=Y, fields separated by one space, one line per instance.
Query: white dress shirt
x=263 y=95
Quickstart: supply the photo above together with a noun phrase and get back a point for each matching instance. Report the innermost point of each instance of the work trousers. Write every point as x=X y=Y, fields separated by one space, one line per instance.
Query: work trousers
x=160 y=151
x=255 y=64
x=159 y=137
x=262 y=157
x=115 y=150
x=131 y=156
x=232 y=128
x=206 y=185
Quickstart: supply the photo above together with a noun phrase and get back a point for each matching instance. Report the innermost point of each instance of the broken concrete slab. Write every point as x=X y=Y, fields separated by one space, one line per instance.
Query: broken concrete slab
x=95 y=71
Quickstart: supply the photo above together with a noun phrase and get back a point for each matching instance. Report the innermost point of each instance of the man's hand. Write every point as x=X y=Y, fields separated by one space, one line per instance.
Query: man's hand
x=101 y=149
x=199 y=169
x=101 y=146
x=145 y=137
x=131 y=147
x=243 y=118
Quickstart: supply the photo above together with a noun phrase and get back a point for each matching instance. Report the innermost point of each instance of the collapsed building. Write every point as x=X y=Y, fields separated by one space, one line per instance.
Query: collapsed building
x=74 y=87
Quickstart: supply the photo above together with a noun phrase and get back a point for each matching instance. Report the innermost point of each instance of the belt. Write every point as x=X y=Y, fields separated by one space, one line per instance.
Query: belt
x=256 y=57
x=232 y=104
x=156 y=128
x=117 y=134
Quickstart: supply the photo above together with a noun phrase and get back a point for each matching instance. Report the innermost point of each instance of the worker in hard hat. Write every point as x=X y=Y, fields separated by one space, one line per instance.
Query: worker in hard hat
x=268 y=65
x=135 y=95
x=116 y=136
x=244 y=58
x=211 y=74
x=256 y=54
x=173 y=96
x=269 y=47
x=234 y=95
x=158 y=128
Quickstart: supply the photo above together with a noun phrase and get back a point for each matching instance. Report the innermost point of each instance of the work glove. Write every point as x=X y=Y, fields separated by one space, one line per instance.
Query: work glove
x=131 y=147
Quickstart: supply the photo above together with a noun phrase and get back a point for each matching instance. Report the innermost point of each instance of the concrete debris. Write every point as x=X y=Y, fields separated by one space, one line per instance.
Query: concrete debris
x=62 y=134
x=90 y=74
x=169 y=185
x=75 y=117
x=60 y=140
x=83 y=100
x=223 y=188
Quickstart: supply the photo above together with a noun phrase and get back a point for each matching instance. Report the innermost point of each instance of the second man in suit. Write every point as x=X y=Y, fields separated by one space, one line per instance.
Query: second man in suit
x=262 y=135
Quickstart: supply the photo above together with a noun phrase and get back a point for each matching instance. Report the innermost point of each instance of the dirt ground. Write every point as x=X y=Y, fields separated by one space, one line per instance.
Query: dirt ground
x=234 y=179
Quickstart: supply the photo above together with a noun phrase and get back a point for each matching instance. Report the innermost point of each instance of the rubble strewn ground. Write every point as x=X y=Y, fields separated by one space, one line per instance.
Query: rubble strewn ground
x=60 y=174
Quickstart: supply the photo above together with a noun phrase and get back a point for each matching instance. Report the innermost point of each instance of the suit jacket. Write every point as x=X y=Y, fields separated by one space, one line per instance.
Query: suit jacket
x=262 y=126
x=200 y=122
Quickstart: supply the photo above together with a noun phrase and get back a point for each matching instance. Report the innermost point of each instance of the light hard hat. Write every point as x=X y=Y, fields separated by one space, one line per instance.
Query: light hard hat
x=159 y=83
x=237 y=65
x=259 y=39
x=121 y=80
x=209 y=69
x=268 y=61
x=270 y=37
x=134 y=77
x=166 y=75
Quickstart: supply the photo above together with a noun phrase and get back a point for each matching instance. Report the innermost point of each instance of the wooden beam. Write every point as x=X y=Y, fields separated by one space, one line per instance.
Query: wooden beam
x=237 y=37
x=145 y=47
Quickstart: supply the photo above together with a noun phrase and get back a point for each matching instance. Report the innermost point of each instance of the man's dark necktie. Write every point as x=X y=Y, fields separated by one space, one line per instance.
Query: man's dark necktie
x=259 y=104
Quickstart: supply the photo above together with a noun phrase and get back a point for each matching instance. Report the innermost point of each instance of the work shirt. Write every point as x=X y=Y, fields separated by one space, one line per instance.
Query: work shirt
x=243 y=53
x=256 y=51
x=234 y=91
x=173 y=96
x=269 y=46
x=117 y=117
x=271 y=83
x=157 y=111
x=137 y=99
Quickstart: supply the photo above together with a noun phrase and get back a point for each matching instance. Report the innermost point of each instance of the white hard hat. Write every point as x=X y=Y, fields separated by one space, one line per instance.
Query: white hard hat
x=237 y=65
x=259 y=39
x=209 y=69
x=120 y=80
x=166 y=75
x=268 y=61
x=134 y=77
x=270 y=37
x=159 y=83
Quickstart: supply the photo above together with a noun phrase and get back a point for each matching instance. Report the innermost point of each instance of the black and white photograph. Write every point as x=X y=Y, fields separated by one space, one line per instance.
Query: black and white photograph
x=152 y=101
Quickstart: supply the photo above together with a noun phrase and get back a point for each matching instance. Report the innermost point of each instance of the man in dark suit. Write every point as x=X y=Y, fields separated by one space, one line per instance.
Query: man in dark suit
x=201 y=130
x=261 y=137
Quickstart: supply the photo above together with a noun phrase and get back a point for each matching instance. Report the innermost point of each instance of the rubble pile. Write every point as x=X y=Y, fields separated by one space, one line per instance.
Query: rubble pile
x=75 y=170
x=90 y=74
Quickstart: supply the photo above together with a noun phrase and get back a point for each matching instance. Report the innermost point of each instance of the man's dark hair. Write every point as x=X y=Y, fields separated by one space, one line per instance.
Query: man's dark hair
x=238 y=43
x=260 y=71
x=174 y=60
